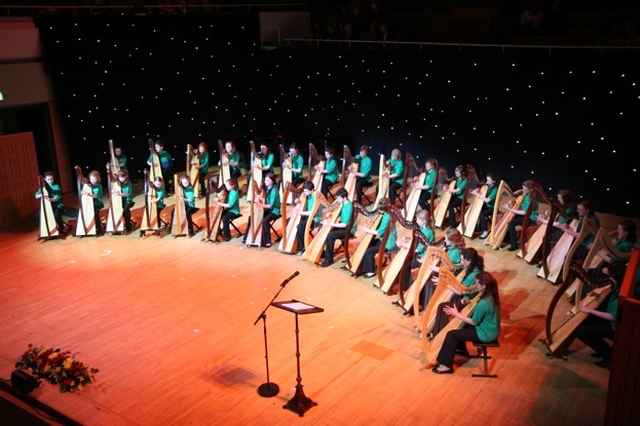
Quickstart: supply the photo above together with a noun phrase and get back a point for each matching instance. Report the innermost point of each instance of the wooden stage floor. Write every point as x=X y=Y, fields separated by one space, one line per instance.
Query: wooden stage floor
x=171 y=325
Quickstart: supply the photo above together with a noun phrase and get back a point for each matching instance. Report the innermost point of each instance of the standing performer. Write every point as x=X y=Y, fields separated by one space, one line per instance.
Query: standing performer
x=396 y=174
x=53 y=195
x=125 y=192
x=166 y=164
x=428 y=185
x=295 y=165
x=483 y=325
x=203 y=167
x=185 y=195
x=96 y=192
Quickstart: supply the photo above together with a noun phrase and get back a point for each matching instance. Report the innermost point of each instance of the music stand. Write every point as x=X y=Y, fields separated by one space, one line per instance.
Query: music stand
x=299 y=403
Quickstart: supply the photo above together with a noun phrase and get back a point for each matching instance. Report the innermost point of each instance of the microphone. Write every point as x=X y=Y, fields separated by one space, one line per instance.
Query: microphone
x=295 y=274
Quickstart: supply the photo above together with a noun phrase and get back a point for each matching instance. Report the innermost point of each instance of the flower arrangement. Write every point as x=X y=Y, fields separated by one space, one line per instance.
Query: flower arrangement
x=56 y=367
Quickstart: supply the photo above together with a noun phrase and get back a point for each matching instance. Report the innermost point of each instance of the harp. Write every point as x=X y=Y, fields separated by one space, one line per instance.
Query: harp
x=193 y=160
x=287 y=177
x=383 y=181
x=179 y=225
x=150 y=222
x=115 y=220
x=349 y=168
x=562 y=320
x=432 y=347
x=501 y=218
x=288 y=243
x=225 y=169
x=254 y=234
x=444 y=182
x=316 y=162
x=412 y=173
x=48 y=224
x=156 y=167
x=372 y=220
x=255 y=174
x=113 y=161
x=315 y=246
x=605 y=240
x=86 y=215
x=553 y=264
x=470 y=213
x=532 y=235
x=214 y=212
x=442 y=294
x=390 y=277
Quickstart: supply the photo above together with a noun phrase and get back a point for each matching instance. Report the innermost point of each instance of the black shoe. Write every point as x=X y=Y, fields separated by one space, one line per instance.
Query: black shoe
x=604 y=363
x=513 y=248
x=539 y=265
x=325 y=264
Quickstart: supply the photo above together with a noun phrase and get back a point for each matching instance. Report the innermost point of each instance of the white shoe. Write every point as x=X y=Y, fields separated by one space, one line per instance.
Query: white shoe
x=484 y=235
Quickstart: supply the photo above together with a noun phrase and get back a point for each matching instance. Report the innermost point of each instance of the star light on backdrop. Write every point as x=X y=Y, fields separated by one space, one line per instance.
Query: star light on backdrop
x=562 y=118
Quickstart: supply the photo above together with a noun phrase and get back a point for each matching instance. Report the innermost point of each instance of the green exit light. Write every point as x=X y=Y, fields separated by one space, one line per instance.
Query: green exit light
x=1 y=97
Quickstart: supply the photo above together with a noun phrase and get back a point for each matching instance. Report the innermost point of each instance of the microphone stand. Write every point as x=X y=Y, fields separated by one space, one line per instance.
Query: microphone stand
x=268 y=389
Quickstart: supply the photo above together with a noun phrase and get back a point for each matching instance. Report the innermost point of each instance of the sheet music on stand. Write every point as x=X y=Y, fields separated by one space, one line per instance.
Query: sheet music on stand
x=297 y=307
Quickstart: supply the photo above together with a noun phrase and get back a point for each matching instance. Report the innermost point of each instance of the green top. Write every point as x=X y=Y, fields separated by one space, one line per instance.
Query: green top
x=273 y=199
x=365 y=166
x=492 y=193
x=612 y=307
x=454 y=254
x=382 y=228
x=396 y=167
x=526 y=201
x=569 y=212
x=160 y=192
x=461 y=184
x=126 y=188
x=331 y=166
x=189 y=196
x=234 y=158
x=310 y=201
x=204 y=162
x=469 y=280
x=165 y=159
x=233 y=199
x=96 y=189
x=430 y=179
x=122 y=162
x=54 y=191
x=346 y=211
x=421 y=250
x=267 y=161
x=296 y=163
x=589 y=238
x=487 y=317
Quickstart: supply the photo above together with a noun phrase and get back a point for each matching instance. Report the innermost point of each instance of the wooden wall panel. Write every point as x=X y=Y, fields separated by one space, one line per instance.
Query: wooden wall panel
x=18 y=174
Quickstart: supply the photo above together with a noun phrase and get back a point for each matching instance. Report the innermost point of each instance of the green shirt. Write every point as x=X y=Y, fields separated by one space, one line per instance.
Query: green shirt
x=122 y=161
x=454 y=254
x=487 y=317
x=296 y=163
x=365 y=166
x=165 y=159
x=589 y=238
x=396 y=167
x=54 y=191
x=127 y=189
x=568 y=212
x=382 y=228
x=233 y=199
x=421 y=250
x=234 y=158
x=492 y=193
x=526 y=201
x=331 y=166
x=273 y=199
x=160 y=192
x=430 y=179
x=461 y=184
x=204 y=162
x=267 y=161
x=96 y=189
x=189 y=196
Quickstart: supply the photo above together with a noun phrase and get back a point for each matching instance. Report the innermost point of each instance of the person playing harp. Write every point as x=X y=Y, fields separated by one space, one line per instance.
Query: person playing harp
x=482 y=326
x=427 y=186
x=518 y=219
x=95 y=191
x=231 y=208
x=489 y=202
x=425 y=224
x=395 y=173
x=337 y=228
x=200 y=162
x=270 y=207
x=457 y=195
x=304 y=212
x=295 y=164
x=328 y=170
x=52 y=193
x=362 y=172
x=368 y=262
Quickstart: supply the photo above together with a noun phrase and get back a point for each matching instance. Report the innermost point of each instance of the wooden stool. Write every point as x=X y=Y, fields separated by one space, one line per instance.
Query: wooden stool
x=482 y=353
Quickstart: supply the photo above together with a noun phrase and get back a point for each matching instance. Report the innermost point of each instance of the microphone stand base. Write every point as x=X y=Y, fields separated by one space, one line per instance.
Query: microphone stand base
x=267 y=390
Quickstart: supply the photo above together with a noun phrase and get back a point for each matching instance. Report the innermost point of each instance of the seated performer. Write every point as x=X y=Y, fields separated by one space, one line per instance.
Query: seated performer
x=308 y=189
x=158 y=184
x=483 y=326
x=518 y=219
x=493 y=181
x=189 y=198
x=423 y=219
x=457 y=194
x=203 y=167
x=566 y=201
x=271 y=206
x=55 y=198
x=625 y=241
x=396 y=174
x=233 y=157
x=266 y=159
x=584 y=210
x=126 y=190
x=363 y=179
x=454 y=245
x=296 y=165
x=231 y=208
x=166 y=163
x=428 y=185
x=473 y=264
x=96 y=193
x=368 y=265
x=338 y=228
x=330 y=171
x=121 y=158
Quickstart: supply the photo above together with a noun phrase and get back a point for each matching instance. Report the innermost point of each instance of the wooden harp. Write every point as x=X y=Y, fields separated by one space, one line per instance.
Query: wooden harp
x=471 y=205
x=501 y=218
x=553 y=264
x=115 y=219
x=383 y=181
x=540 y=233
x=316 y=163
x=432 y=347
x=48 y=224
x=213 y=215
x=287 y=177
x=444 y=182
x=442 y=294
x=315 y=246
x=254 y=234
x=193 y=161
x=156 y=167
x=605 y=240
x=557 y=337
x=179 y=225
x=115 y=165
x=255 y=173
x=150 y=222
x=289 y=243
x=412 y=173
x=349 y=167
x=372 y=220
x=225 y=168
x=86 y=214
x=393 y=274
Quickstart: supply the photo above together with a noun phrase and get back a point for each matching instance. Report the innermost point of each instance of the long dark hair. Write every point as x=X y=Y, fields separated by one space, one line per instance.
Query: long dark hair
x=475 y=260
x=491 y=287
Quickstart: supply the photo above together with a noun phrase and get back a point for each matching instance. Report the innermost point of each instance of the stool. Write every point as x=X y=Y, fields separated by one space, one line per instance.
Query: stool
x=233 y=225
x=274 y=230
x=482 y=353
